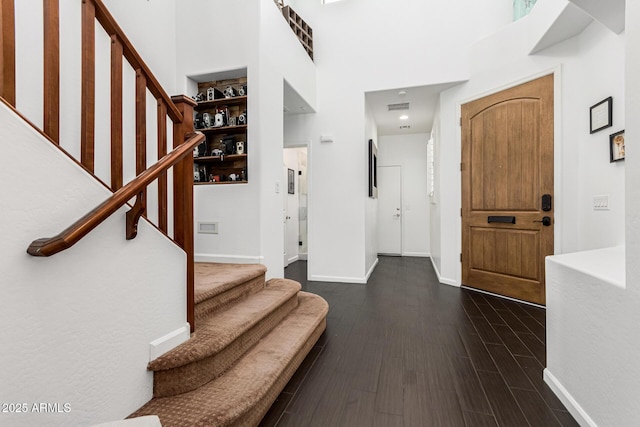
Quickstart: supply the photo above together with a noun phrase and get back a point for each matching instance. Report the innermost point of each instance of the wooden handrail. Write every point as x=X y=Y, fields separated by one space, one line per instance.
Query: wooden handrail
x=70 y=236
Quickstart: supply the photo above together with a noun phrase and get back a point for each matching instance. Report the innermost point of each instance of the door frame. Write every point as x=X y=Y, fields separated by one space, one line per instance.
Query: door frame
x=303 y=144
x=557 y=153
x=401 y=254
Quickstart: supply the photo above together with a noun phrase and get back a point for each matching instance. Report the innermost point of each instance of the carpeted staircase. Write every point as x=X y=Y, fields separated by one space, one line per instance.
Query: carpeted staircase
x=250 y=338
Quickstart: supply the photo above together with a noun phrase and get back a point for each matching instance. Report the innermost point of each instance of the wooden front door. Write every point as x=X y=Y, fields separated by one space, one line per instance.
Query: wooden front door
x=507 y=190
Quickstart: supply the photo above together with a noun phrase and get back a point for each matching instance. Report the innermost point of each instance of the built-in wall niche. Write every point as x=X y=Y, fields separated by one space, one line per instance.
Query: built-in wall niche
x=221 y=115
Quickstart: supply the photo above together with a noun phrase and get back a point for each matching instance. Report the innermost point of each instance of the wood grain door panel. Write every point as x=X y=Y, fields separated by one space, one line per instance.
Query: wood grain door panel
x=507 y=165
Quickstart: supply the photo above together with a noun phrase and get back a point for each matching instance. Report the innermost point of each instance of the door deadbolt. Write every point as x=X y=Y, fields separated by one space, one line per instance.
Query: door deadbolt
x=546 y=221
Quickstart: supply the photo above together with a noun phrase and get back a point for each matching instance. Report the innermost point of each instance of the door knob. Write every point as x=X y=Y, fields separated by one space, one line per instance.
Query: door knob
x=546 y=221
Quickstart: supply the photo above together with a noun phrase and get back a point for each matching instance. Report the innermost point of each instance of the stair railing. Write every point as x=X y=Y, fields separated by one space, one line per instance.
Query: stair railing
x=179 y=109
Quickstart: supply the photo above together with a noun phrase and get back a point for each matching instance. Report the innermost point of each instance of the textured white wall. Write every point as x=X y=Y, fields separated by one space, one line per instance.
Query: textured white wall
x=410 y=152
x=594 y=296
x=76 y=327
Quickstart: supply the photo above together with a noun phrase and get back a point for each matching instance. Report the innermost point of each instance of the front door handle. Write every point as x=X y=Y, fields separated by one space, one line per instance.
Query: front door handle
x=546 y=221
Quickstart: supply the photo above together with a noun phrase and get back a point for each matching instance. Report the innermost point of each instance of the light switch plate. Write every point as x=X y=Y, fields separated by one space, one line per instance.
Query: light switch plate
x=601 y=203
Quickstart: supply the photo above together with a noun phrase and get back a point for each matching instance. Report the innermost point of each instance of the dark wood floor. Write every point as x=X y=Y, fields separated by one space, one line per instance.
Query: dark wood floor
x=404 y=350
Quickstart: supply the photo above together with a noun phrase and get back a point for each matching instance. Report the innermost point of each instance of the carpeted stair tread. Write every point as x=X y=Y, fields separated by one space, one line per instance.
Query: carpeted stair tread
x=212 y=279
x=221 y=328
x=244 y=393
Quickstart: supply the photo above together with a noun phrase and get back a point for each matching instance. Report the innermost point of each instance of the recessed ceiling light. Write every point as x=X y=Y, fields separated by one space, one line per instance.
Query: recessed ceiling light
x=404 y=117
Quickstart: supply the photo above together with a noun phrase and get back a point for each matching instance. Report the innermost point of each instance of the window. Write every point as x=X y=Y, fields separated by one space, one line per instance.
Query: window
x=430 y=168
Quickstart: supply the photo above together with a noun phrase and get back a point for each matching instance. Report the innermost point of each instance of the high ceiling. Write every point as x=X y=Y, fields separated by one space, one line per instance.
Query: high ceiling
x=422 y=102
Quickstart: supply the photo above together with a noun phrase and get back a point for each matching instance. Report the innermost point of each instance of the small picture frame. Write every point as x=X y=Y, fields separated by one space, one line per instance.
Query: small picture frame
x=616 y=146
x=291 y=186
x=601 y=115
x=373 y=170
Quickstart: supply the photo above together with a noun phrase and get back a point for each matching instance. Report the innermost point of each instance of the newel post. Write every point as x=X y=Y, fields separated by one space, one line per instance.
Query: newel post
x=183 y=197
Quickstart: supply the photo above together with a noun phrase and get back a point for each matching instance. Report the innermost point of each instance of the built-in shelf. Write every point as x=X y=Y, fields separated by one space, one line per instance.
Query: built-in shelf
x=227 y=158
x=236 y=100
x=224 y=129
x=221 y=183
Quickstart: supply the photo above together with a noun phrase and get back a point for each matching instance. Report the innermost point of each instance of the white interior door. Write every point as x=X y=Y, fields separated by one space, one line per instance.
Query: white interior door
x=390 y=210
x=291 y=217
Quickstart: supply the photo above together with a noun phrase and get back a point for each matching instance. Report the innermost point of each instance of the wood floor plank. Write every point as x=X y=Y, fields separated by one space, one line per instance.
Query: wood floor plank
x=537 y=412
x=534 y=369
x=511 y=340
x=503 y=404
x=566 y=419
x=513 y=375
x=390 y=387
x=512 y=321
x=537 y=348
x=359 y=409
x=478 y=352
x=470 y=393
x=473 y=419
x=387 y=420
x=485 y=330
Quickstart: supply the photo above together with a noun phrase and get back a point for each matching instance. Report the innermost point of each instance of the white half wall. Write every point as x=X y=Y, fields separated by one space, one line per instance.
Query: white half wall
x=77 y=326
x=410 y=152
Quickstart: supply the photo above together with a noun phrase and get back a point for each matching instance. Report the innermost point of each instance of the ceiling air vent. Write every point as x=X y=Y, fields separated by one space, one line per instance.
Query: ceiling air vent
x=405 y=127
x=398 y=107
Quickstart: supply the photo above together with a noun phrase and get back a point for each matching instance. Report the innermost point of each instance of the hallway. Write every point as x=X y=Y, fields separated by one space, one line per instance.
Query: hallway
x=404 y=350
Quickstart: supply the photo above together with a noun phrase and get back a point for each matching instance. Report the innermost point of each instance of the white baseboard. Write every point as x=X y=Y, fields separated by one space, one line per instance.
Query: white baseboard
x=338 y=279
x=443 y=280
x=370 y=272
x=168 y=342
x=417 y=254
x=567 y=400
x=230 y=259
x=293 y=259
x=303 y=257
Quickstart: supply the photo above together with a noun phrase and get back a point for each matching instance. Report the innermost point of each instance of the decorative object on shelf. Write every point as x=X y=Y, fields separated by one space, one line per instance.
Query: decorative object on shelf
x=232 y=121
x=242 y=118
x=373 y=170
x=229 y=92
x=218 y=120
x=213 y=94
x=196 y=173
x=199 y=97
x=234 y=177
x=242 y=91
x=217 y=152
x=201 y=149
x=240 y=147
x=616 y=146
x=291 y=186
x=243 y=175
x=601 y=115
x=207 y=120
x=229 y=144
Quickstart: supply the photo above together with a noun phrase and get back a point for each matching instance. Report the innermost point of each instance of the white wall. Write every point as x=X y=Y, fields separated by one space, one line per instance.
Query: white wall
x=435 y=223
x=362 y=46
x=410 y=152
x=583 y=77
x=595 y=296
x=76 y=327
x=249 y=216
x=371 y=204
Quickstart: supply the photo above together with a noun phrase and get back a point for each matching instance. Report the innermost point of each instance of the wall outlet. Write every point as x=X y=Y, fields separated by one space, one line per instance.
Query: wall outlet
x=208 y=227
x=601 y=203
